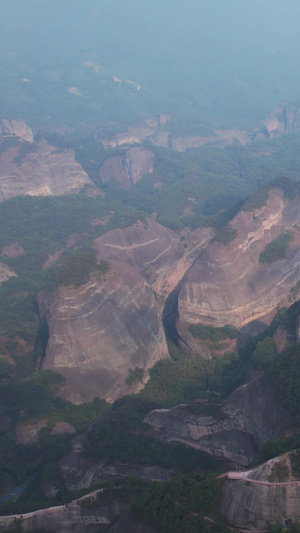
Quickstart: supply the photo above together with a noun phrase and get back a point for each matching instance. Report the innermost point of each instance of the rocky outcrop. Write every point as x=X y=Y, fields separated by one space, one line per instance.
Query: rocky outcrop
x=159 y=254
x=229 y=285
x=16 y=128
x=127 y=170
x=40 y=171
x=6 y=272
x=90 y=513
x=249 y=417
x=269 y=494
x=100 y=330
x=78 y=472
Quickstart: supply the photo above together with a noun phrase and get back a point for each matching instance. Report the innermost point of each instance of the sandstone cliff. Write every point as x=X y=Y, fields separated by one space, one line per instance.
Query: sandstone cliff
x=92 y=513
x=78 y=472
x=16 y=128
x=127 y=170
x=229 y=285
x=6 y=272
x=249 y=417
x=100 y=330
x=269 y=494
x=156 y=252
x=42 y=171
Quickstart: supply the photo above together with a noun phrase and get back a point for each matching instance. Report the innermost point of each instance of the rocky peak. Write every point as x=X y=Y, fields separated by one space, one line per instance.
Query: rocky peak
x=241 y=278
x=16 y=128
x=127 y=170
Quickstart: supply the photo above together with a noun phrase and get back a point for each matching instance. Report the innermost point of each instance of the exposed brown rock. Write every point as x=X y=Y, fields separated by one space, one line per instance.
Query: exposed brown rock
x=46 y=171
x=12 y=250
x=228 y=284
x=27 y=434
x=269 y=494
x=78 y=472
x=100 y=330
x=157 y=252
x=63 y=428
x=127 y=170
x=6 y=272
x=250 y=416
x=16 y=128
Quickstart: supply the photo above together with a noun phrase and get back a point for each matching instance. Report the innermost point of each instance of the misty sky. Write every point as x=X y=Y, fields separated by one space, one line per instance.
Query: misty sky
x=214 y=57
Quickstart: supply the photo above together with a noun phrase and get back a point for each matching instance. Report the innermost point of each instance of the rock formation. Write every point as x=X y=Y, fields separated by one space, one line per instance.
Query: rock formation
x=100 y=330
x=156 y=252
x=78 y=472
x=269 y=494
x=6 y=272
x=41 y=171
x=90 y=513
x=229 y=285
x=127 y=170
x=249 y=417
x=16 y=128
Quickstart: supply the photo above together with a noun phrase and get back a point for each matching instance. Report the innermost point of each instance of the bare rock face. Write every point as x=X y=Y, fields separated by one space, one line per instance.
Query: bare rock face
x=6 y=272
x=127 y=170
x=269 y=494
x=78 y=472
x=249 y=417
x=43 y=172
x=100 y=330
x=91 y=514
x=229 y=285
x=156 y=252
x=16 y=128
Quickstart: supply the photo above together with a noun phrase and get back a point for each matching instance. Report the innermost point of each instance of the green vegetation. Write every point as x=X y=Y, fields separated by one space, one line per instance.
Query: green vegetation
x=120 y=436
x=226 y=235
x=181 y=504
x=134 y=375
x=213 y=334
x=256 y=200
x=276 y=249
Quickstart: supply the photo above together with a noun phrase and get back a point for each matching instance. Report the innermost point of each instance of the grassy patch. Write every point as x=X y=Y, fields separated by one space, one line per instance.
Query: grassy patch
x=276 y=249
x=213 y=334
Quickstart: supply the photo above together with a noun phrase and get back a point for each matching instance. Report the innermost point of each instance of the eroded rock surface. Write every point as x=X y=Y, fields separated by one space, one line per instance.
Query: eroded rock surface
x=45 y=171
x=78 y=472
x=269 y=494
x=249 y=417
x=229 y=285
x=16 y=128
x=6 y=272
x=88 y=514
x=156 y=252
x=127 y=170
x=100 y=330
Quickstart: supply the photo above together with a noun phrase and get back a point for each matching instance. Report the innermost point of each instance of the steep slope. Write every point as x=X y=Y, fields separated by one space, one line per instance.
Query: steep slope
x=91 y=513
x=100 y=330
x=38 y=169
x=156 y=252
x=269 y=494
x=239 y=279
x=249 y=417
x=127 y=170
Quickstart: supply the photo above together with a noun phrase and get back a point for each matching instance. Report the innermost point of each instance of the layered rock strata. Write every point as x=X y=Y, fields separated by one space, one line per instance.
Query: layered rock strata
x=269 y=494
x=78 y=472
x=249 y=417
x=156 y=252
x=91 y=513
x=100 y=330
x=16 y=128
x=229 y=285
x=45 y=171
x=127 y=170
